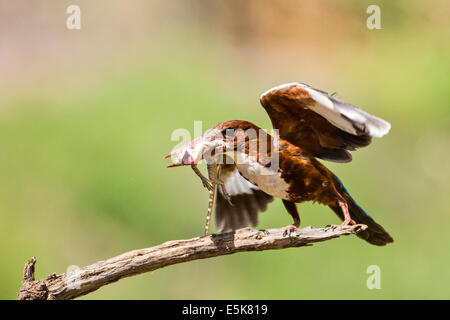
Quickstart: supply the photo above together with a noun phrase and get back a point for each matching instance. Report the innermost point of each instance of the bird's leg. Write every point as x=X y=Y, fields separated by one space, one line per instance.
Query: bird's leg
x=205 y=181
x=347 y=218
x=292 y=209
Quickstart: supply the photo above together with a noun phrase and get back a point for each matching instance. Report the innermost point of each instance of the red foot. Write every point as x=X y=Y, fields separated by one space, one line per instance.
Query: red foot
x=345 y=223
x=348 y=220
x=288 y=230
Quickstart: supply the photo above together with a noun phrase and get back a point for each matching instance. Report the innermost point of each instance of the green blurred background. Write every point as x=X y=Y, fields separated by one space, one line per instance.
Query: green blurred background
x=86 y=117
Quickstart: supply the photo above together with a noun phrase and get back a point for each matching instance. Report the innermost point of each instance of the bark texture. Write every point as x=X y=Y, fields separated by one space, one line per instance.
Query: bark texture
x=87 y=279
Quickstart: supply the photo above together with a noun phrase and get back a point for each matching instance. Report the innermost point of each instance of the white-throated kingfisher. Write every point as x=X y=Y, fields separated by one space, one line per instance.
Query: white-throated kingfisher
x=250 y=167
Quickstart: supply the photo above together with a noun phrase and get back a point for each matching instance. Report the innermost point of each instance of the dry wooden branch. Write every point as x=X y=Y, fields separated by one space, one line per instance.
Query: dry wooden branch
x=82 y=281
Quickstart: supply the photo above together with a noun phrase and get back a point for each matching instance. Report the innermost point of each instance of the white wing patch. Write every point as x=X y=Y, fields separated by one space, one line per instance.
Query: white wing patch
x=268 y=180
x=340 y=113
x=375 y=126
x=236 y=184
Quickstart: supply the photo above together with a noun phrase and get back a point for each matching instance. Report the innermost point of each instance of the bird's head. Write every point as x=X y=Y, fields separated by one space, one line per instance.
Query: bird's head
x=217 y=142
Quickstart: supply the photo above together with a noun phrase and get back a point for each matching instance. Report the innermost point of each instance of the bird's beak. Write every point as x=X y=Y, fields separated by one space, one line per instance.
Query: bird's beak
x=188 y=154
x=194 y=151
x=184 y=155
x=187 y=159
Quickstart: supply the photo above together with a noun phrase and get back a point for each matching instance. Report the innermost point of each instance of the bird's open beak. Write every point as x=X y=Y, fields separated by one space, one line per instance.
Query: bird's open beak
x=188 y=154
x=187 y=159
x=194 y=151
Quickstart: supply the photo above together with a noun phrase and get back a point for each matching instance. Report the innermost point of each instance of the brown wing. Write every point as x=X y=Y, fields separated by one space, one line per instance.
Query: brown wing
x=246 y=200
x=320 y=124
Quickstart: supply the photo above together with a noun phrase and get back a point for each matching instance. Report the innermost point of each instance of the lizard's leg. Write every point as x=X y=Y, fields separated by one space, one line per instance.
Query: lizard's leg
x=205 y=181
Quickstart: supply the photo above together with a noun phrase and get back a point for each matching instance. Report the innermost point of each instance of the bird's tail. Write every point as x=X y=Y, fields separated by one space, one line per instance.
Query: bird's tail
x=374 y=234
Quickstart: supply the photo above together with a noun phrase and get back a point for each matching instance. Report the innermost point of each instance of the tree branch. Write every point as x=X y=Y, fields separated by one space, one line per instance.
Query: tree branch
x=84 y=280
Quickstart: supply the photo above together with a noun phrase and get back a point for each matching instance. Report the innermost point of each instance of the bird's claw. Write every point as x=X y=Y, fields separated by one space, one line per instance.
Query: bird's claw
x=345 y=223
x=288 y=230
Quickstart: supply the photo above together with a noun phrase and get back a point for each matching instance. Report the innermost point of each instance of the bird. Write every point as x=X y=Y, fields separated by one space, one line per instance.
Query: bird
x=250 y=167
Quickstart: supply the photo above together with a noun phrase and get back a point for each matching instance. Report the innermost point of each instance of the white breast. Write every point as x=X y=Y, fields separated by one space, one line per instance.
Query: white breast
x=267 y=179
